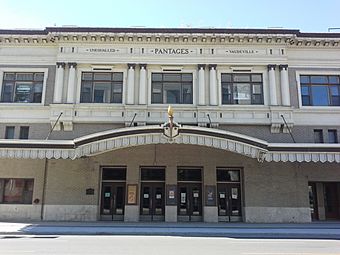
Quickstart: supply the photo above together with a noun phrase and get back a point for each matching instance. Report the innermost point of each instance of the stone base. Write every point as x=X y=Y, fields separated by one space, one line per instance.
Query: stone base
x=20 y=212
x=131 y=213
x=277 y=214
x=70 y=212
x=171 y=213
x=210 y=214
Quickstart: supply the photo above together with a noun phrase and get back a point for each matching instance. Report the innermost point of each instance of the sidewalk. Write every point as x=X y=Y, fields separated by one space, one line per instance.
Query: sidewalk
x=235 y=230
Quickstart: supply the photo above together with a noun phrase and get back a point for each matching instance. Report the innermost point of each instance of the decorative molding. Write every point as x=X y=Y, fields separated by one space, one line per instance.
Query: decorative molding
x=60 y=64
x=72 y=65
x=283 y=67
x=201 y=66
x=271 y=67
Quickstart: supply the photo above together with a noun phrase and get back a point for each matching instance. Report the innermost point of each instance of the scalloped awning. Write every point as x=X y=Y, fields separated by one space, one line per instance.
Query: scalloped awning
x=134 y=136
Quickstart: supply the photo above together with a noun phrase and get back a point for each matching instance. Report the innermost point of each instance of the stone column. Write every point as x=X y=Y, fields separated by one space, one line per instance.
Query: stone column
x=130 y=98
x=272 y=85
x=201 y=85
x=59 y=83
x=285 y=95
x=142 y=84
x=213 y=85
x=71 y=83
x=171 y=187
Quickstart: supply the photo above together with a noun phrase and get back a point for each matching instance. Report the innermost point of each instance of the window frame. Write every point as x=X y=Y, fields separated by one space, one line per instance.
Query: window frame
x=2 y=191
x=6 y=132
x=179 y=70
x=298 y=74
x=244 y=70
x=24 y=70
x=82 y=70
x=335 y=132
x=21 y=132
x=251 y=86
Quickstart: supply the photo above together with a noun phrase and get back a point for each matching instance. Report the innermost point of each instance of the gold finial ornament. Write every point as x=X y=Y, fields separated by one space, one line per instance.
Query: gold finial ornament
x=170 y=111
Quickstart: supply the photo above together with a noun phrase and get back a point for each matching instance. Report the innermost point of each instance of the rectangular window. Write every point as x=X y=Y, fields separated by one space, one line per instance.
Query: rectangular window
x=9 y=133
x=318 y=136
x=332 y=136
x=242 y=89
x=16 y=191
x=227 y=175
x=320 y=90
x=24 y=131
x=171 y=88
x=101 y=87
x=22 y=87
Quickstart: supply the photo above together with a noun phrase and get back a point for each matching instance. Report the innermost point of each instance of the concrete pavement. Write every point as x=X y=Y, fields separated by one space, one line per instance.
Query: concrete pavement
x=311 y=230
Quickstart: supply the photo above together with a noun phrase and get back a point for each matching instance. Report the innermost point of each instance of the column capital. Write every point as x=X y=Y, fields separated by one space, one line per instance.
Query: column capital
x=212 y=66
x=73 y=64
x=271 y=67
x=201 y=66
x=283 y=67
x=60 y=64
x=131 y=66
x=142 y=66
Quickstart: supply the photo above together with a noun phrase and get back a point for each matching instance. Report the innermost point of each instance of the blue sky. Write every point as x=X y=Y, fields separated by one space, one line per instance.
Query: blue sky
x=306 y=15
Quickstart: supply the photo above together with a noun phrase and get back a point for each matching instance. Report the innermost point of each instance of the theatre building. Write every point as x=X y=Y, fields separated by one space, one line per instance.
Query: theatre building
x=172 y=125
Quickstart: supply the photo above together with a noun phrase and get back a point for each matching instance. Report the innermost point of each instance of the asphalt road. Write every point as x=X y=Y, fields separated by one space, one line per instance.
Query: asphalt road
x=158 y=245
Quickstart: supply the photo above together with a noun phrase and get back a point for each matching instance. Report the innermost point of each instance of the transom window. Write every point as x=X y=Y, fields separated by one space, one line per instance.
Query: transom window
x=101 y=87
x=22 y=87
x=244 y=89
x=320 y=90
x=171 y=88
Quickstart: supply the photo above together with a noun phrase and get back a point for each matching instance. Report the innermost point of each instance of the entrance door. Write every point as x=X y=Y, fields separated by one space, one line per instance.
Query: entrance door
x=331 y=197
x=189 y=202
x=152 y=204
x=113 y=201
x=229 y=202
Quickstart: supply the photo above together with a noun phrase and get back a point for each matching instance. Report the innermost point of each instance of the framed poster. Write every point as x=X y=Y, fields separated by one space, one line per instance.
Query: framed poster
x=131 y=194
x=210 y=195
x=171 y=198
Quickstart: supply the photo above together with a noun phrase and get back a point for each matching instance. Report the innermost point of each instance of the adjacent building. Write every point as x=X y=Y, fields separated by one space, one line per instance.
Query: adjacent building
x=251 y=134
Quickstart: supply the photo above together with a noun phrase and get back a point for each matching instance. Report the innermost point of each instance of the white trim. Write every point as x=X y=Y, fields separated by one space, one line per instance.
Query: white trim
x=313 y=72
x=25 y=70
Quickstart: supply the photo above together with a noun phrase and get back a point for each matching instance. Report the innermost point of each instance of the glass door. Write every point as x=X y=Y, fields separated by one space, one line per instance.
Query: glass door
x=152 y=202
x=313 y=205
x=190 y=202
x=113 y=201
x=229 y=202
x=331 y=199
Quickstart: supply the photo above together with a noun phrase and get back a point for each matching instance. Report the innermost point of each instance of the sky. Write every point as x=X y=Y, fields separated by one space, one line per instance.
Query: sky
x=306 y=15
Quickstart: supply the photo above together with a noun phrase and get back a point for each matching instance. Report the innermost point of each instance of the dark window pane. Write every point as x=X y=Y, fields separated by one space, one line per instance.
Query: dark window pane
x=242 y=77
x=189 y=175
x=171 y=77
x=7 y=94
x=24 y=76
x=117 y=98
x=334 y=90
x=256 y=77
x=39 y=76
x=9 y=76
x=320 y=95
x=228 y=175
x=319 y=79
x=156 y=99
x=37 y=93
x=153 y=174
x=156 y=77
x=187 y=94
x=318 y=136
x=23 y=92
x=102 y=92
x=118 y=76
x=304 y=79
x=24 y=131
x=172 y=93
x=118 y=174
x=332 y=136
x=304 y=90
x=334 y=79
x=257 y=99
x=336 y=100
x=86 y=92
x=87 y=76
x=226 y=77
x=306 y=100
x=102 y=76
x=187 y=77
x=9 y=133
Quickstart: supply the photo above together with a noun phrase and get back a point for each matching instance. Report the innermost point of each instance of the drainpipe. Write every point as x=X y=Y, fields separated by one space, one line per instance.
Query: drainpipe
x=44 y=190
